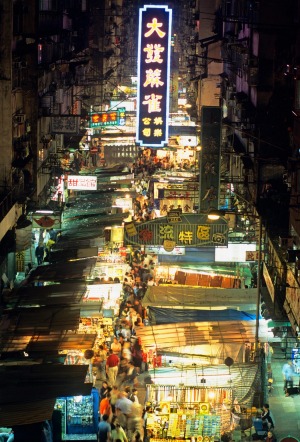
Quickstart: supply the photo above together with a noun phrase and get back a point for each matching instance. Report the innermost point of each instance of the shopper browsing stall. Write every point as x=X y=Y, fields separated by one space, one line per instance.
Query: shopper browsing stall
x=112 y=364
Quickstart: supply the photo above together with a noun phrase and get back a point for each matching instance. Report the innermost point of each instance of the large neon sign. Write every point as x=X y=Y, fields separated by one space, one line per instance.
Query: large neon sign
x=154 y=49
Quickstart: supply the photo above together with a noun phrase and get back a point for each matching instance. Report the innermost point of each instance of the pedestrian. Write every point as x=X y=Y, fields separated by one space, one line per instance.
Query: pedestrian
x=116 y=347
x=39 y=253
x=112 y=364
x=104 y=406
x=114 y=395
x=104 y=390
x=288 y=372
x=131 y=375
x=137 y=437
x=270 y=437
x=267 y=417
x=134 y=396
x=104 y=429
x=102 y=355
x=28 y=269
x=118 y=434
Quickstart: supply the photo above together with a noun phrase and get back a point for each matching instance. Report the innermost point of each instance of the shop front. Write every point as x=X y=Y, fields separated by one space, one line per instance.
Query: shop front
x=175 y=195
x=76 y=417
x=200 y=403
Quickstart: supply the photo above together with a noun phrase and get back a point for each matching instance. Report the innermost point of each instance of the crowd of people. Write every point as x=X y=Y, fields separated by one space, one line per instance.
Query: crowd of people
x=121 y=415
x=119 y=362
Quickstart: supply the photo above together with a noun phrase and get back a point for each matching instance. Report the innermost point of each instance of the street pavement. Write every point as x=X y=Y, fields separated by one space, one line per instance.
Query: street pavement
x=286 y=410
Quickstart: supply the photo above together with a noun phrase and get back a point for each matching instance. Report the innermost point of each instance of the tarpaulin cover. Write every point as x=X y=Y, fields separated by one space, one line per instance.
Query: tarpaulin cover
x=168 y=316
x=179 y=296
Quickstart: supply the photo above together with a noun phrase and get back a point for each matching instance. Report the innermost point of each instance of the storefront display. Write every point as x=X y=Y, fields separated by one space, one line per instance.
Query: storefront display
x=172 y=274
x=114 y=270
x=108 y=294
x=186 y=413
x=175 y=196
x=79 y=416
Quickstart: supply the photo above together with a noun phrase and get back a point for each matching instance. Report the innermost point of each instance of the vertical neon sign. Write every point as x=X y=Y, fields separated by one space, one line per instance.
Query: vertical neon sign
x=154 y=50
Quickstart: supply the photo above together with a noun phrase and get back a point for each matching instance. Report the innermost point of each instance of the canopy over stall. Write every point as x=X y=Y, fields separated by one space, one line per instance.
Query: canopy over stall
x=179 y=296
x=54 y=294
x=28 y=393
x=165 y=335
x=211 y=341
x=159 y=315
x=41 y=320
x=77 y=269
x=170 y=335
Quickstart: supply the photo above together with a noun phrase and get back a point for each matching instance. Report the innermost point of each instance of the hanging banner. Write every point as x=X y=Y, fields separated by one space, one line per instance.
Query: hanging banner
x=23 y=238
x=191 y=230
x=210 y=157
x=154 y=49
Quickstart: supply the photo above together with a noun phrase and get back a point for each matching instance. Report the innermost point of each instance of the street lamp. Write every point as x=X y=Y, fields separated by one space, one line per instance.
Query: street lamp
x=215 y=215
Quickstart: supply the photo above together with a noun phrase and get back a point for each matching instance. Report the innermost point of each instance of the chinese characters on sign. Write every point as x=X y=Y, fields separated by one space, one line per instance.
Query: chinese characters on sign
x=192 y=230
x=110 y=118
x=253 y=256
x=78 y=182
x=154 y=48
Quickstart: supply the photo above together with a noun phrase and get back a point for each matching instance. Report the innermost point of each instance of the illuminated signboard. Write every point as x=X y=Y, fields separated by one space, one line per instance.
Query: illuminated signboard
x=154 y=48
x=110 y=118
x=187 y=230
x=78 y=182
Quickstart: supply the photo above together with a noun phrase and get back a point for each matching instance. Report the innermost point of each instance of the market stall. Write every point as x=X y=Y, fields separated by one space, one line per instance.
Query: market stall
x=175 y=195
x=201 y=413
x=78 y=416
x=202 y=277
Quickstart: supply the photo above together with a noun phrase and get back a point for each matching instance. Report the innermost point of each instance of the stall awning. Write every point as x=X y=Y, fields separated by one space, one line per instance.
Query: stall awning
x=172 y=316
x=54 y=294
x=78 y=269
x=199 y=297
x=29 y=392
x=30 y=321
x=196 y=333
x=53 y=342
x=76 y=253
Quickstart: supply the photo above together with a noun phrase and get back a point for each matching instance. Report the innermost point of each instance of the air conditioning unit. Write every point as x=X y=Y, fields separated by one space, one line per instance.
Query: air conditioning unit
x=286 y=242
x=20 y=118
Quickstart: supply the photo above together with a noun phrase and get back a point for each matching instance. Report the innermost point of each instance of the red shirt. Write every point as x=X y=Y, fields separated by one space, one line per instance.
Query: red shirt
x=112 y=361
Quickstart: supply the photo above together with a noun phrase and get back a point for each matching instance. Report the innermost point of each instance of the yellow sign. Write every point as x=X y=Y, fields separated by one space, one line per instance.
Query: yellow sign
x=204 y=408
x=169 y=245
x=130 y=229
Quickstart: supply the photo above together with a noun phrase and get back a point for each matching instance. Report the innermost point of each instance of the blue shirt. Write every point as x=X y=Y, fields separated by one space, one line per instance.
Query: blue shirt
x=103 y=429
x=287 y=371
